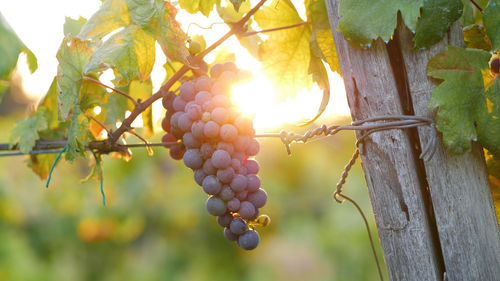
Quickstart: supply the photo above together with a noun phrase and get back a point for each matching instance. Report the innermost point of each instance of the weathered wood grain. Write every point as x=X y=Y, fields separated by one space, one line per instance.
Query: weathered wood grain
x=389 y=164
x=458 y=185
x=432 y=216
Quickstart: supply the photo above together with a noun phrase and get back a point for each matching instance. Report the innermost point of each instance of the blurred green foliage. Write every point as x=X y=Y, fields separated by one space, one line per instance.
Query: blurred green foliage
x=155 y=226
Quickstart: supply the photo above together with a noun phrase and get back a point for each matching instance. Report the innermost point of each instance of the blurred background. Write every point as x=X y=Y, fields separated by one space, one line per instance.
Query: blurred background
x=155 y=226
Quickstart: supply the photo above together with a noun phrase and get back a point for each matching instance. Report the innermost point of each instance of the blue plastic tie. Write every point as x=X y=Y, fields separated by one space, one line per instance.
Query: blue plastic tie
x=54 y=165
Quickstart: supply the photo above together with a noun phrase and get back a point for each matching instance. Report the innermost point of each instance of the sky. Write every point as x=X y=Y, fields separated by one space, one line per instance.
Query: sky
x=39 y=24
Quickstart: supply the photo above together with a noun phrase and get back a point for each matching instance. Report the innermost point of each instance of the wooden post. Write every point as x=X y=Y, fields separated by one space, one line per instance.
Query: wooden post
x=434 y=218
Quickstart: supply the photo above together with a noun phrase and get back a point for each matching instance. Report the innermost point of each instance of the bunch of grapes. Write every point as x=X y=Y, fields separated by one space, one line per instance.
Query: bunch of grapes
x=216 y=143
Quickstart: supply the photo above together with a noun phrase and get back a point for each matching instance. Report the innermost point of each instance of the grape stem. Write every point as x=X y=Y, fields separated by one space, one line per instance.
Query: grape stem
x=140 y=106
x=477 y=5
x=111 y=88
x=245 y=34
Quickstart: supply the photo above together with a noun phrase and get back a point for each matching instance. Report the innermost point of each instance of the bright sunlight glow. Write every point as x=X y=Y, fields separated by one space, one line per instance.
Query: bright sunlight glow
x=257 y=99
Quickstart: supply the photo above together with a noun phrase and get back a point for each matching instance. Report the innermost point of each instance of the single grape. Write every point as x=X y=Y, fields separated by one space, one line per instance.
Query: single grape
x=238 y=226
x=233 y=205
x=221 y=159
x=177 y=151
x=199 y=176
x=247 y=210
x=243 y=125
x=211 y=129
x=219 y=115
x=208 y=168
x=211 y=185
x=253 y=182
x=230 y=235
x=197 y=129
x=255 y=216
x=187 y=91
x=253 y=148
x=205 y=117
x=228 y=133
x=215 y=206
x=230 y=66
x=192 y=158
x=176 y=132
x=167 y=101
x=226 y=193
x=195 y=47
x=225 y=146
x=190 y=141
x=239 y=155
x=203 y=84
x=219 y=88
x=242 y=195
x=165 y=124
x=258 y=198
x=239 y=183
x=206 y=150
x=193 y=110
x=225 y=175
x=227 y=76
x=236 y=164
x=168 y=138
x=208 y=106
x=252 y=166
x=221 y=101
x=184 y=122
x=249 y=240
x=225 y=220
x=174 y=118
x=202 y=97
x=216 y=70
x=179 y=104
x=241 y=143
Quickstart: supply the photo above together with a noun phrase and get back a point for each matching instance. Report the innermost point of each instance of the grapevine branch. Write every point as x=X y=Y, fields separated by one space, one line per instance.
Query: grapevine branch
x=477 y=5
x=140 y=106
x=245 y=34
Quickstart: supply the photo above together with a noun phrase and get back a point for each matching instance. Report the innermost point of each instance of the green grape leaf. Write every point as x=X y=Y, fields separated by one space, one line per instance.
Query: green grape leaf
x=460 y=98
x=73 y=55
x=130 y=53
x=143 y=90
x=49 y=102
x=475 y=37
x=365 y=20
x=285 y=55
x=91 y=94
x=10 y=48
x=194 y=6
x=322 y=43
x=488 y=123
x=77 y=134
x=437 y=17
x=491 y=19
x=111 y=15
x=141 y=11
x=25 y=133
x=167 y=31
x=73 y=27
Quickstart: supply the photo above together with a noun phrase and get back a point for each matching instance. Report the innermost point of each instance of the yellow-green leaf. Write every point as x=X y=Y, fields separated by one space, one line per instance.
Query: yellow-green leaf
x=130 y=53
x=77 y=134
x=111 y=15
x=25 y=133
x=194 y=6
x=41 y=164
x=285 y=54
x=73 y=55
x=143 y=90
x=72 y=27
